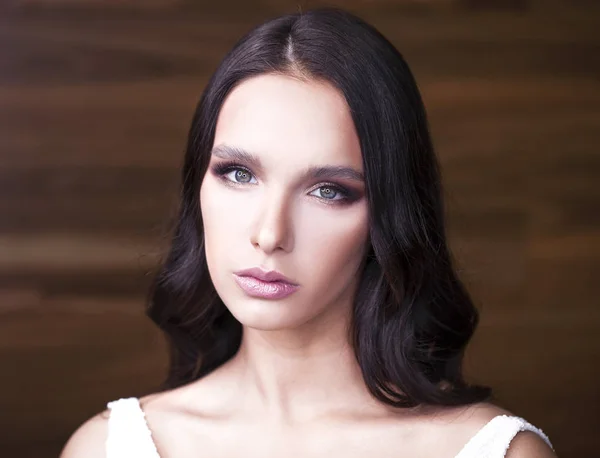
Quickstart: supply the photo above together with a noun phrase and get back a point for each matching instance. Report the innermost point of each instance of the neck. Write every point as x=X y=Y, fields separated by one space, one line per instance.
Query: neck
x=301 y=373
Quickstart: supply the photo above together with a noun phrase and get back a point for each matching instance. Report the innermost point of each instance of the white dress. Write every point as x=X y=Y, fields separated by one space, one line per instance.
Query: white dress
x=129 y=434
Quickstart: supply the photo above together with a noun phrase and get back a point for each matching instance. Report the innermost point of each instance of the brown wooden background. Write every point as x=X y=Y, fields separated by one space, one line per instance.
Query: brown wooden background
x=95 y=103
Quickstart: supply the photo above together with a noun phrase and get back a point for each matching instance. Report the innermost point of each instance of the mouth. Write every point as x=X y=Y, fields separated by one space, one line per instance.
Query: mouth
x=255 y=287
x=270 y=276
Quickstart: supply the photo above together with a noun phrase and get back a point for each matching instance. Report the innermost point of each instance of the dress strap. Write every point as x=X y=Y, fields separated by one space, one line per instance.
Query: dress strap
x=128 y=432
x=493 y=440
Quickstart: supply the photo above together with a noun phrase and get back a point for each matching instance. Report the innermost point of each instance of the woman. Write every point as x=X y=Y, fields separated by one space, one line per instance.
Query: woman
x=309 y=294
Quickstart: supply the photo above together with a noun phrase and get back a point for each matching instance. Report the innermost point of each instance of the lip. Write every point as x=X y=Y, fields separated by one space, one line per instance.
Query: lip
x=265 y=289
x=265 y=276
x=266 y=285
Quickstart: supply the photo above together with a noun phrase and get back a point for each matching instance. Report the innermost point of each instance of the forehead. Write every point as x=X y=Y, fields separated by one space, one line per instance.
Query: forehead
x=284 y=119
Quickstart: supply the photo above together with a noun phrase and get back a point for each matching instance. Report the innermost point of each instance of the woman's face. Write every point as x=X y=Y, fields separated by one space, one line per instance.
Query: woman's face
x=273 y=213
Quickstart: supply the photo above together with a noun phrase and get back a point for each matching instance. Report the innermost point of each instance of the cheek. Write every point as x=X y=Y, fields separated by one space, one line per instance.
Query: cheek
x=223 y=212
x=215 y=211
x=335 y=245
x=219 y=218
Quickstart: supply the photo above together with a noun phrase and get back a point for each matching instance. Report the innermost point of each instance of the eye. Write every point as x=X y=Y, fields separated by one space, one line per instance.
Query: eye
x=239 y=175
x=329 y=192
x=236 y=175
x=232 y=173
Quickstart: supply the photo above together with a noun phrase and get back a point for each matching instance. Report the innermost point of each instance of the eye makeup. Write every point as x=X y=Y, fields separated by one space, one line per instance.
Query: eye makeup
x=348 y=196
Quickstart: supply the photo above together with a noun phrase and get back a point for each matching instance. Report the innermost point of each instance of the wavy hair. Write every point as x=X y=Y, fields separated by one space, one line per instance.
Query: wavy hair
x=412 y=317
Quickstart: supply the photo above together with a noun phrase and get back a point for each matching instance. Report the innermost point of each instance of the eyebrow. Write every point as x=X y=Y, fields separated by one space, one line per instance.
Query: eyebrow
x=317 y=172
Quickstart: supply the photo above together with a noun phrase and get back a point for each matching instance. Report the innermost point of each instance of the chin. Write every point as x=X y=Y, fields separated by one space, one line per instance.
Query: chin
x=266 y=315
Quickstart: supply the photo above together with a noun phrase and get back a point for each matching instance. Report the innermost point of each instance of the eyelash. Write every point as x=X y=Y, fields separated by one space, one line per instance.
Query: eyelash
x=223 y=168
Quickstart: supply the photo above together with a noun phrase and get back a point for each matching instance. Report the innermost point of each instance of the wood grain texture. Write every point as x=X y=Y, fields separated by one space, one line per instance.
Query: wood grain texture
x=94 y=110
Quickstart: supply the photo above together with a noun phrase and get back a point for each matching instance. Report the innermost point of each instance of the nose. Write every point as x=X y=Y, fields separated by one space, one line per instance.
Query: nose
x=272 y=229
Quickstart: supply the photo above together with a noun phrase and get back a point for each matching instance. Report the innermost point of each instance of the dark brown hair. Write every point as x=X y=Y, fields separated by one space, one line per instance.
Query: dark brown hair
x=412 y=317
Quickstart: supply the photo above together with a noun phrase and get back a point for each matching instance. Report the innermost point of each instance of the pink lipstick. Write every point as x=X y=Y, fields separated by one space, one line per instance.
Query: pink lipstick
x=267 y=285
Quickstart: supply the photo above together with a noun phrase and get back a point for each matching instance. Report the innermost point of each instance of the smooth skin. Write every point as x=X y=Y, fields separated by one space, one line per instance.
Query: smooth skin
x=294 y=389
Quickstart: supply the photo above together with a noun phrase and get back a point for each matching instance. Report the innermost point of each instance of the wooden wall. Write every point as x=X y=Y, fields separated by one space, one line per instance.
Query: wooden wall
x=94 y=109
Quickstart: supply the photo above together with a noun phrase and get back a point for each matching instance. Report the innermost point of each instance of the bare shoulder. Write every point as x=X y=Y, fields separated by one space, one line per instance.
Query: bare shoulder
x=209 y=394
x=475 y=416
x=526 y=444
x=89 y=440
